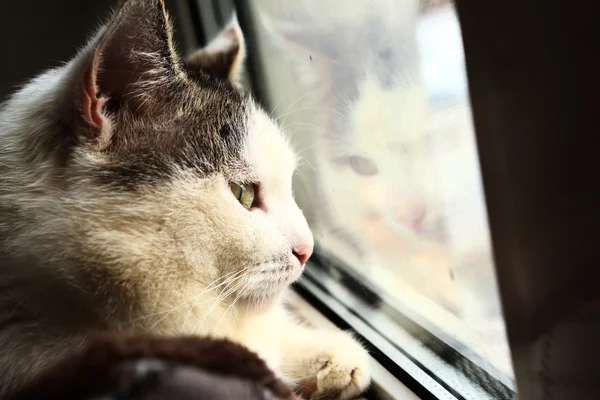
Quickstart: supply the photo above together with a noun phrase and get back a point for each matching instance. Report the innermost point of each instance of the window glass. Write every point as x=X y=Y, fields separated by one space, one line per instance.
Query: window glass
x=374 y=95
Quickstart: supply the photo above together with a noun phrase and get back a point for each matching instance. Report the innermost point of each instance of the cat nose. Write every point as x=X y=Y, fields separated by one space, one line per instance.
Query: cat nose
x=412 y=213
x=303 y=251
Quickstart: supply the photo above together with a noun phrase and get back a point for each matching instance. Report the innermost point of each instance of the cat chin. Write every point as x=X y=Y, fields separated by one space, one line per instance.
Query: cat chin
x=270 y=292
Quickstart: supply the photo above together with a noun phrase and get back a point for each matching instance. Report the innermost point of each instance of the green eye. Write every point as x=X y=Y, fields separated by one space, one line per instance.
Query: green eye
x=363 y=166
x=243 y=193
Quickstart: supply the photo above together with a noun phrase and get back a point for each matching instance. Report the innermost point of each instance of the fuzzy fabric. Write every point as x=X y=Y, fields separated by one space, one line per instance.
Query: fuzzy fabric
x=152 y=368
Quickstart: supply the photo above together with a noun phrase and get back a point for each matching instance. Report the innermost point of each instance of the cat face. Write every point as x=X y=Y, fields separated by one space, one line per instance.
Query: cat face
x=382 y=183
x=381 y=167
x=153 y=171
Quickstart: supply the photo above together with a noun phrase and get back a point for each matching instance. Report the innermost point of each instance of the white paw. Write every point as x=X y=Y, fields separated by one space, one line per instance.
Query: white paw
x=341 y=371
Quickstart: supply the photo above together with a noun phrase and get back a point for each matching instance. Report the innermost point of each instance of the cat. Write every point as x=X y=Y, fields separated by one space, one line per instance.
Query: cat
x=144 y=192
x=381 y=88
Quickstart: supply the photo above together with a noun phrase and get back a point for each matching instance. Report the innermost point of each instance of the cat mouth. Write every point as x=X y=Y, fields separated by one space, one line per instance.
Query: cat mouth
x=432 y=231
x=435 y=231
x=281 y=271
x=267 y=280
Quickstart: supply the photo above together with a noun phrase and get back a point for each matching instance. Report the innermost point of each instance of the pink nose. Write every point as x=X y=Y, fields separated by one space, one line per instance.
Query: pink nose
x=303 y=252
x=411 y=213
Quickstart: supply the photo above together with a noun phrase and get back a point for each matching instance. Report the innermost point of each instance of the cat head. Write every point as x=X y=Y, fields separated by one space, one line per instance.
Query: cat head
x=154 y=170
x=362 y=71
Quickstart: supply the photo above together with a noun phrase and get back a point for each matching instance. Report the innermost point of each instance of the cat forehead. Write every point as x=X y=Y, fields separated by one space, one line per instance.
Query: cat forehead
x=379 y=117
x=205 y=128
x=268 y=151
x=199 y=130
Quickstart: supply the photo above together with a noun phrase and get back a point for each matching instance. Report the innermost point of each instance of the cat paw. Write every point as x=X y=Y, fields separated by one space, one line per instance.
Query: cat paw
x=341 y=372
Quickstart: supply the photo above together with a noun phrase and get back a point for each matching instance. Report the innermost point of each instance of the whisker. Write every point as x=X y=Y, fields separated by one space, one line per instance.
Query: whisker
x=293 y=104
x=283 y=98
x=240 y=293
x=216 y=302
x=227 y=279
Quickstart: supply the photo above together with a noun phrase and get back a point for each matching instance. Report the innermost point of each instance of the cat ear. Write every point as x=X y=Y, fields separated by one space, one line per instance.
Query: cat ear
x=127 y=62
x=224 y=56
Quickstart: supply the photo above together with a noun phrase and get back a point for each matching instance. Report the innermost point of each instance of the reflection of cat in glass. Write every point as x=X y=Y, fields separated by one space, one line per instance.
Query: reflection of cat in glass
x=396 y=159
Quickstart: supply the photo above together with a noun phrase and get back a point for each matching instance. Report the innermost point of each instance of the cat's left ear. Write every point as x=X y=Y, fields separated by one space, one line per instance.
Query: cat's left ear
x=128 y=65
x=223 y=56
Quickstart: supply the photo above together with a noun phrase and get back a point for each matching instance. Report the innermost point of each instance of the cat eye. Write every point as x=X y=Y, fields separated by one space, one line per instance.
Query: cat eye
x=363 y=166
x=243 y=193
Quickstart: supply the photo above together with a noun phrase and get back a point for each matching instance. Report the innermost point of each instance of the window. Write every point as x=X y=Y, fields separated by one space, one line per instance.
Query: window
x=374 y=95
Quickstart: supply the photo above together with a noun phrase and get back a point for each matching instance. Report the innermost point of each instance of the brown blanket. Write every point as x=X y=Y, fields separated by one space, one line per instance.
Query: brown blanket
x=150 y=368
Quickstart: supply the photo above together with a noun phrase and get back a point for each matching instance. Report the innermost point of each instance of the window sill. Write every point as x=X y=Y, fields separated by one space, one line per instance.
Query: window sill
x=409 y=362
x=385 y=385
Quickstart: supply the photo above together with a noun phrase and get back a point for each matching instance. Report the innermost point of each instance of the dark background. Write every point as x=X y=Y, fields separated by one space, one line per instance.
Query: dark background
x=36 y=35
x=39 y=34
